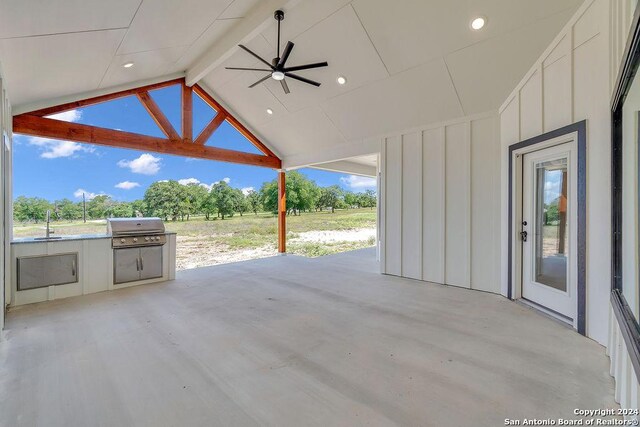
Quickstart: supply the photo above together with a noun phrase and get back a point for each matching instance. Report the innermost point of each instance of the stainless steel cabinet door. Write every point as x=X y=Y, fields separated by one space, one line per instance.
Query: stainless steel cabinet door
x=60 y=269
x=126 y=265
x=31 y=273
x=40 y=271
x=150 y=262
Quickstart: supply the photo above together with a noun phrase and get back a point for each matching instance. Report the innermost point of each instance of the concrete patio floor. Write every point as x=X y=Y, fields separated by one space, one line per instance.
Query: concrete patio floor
x=290 y=341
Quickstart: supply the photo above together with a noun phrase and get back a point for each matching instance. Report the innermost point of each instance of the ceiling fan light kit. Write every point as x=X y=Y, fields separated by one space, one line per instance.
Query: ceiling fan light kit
x=277 y=69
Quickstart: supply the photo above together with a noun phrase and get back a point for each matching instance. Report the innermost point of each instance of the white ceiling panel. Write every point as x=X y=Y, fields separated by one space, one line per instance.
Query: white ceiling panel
x=168 y=23
x=412 y=32
x=415 y=97
x=148 y=64
x=20 y=18
x=206 y=39
x=302 y=17
x=485 y=73
x=343 y=43
x=238 y=9
x=251 y=104
x=40 y=68
x=306 y=130
x=370 y=160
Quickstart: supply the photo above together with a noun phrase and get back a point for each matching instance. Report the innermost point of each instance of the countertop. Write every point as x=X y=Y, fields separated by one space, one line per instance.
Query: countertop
x=67 y=238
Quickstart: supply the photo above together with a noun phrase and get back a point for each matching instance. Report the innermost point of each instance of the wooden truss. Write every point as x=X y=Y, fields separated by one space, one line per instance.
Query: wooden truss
x=35 y=123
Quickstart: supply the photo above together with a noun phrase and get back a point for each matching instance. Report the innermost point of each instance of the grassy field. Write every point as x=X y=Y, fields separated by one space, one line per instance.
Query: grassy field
x=202 y=242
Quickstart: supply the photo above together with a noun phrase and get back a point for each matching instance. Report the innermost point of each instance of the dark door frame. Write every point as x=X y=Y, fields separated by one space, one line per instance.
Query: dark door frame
x=580 y=128
x=627 y=321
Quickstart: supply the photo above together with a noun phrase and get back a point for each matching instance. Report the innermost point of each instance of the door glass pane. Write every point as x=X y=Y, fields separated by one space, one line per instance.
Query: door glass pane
x=551 y=240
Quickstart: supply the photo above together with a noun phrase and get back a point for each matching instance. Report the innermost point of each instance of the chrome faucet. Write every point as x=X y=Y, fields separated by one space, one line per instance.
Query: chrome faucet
x=49 y=230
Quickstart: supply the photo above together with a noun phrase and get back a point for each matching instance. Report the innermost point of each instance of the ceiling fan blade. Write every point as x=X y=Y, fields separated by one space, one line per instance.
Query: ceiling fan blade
x=285 y=55
x=247 y=69
x=307 y=66
x=285 y=86
x=260 y=81
x=302 y=79
x=254 y=54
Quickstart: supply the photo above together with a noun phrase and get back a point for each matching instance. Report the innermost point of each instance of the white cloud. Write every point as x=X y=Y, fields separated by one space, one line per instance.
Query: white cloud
x=187 y=181
x=358 y=182
x=88 y=194
x=127 y=185
x=227 y=180
x=146 y=164
x=53 y=148
x=67 y=116
x=247 y=190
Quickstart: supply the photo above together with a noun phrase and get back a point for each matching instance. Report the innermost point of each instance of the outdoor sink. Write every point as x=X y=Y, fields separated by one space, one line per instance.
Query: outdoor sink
x=48 y=238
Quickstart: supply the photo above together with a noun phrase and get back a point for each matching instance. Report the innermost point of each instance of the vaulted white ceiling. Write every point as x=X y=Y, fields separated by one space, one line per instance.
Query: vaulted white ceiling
x=407 y=62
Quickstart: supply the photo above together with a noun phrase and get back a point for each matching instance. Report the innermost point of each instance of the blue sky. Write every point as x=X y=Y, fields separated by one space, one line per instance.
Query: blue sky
x=63 y=169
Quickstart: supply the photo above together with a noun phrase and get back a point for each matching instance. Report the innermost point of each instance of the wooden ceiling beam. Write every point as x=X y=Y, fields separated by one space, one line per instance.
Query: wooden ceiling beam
x=102 y=98
x=56 y=129
x=158 y=116
x=187 y=112
x=213 y=125
x=233 y=121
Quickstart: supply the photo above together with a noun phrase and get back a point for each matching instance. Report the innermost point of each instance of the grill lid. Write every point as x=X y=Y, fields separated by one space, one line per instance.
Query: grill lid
x=130 y=226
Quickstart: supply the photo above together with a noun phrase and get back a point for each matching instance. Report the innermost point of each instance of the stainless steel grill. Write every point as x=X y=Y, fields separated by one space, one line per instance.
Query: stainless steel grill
x=136 y=232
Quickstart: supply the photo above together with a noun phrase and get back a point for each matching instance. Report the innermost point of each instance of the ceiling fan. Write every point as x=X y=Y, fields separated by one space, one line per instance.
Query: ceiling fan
x=277 y=68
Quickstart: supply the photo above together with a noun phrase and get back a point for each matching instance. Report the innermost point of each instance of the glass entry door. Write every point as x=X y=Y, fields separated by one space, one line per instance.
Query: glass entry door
x=547 y=234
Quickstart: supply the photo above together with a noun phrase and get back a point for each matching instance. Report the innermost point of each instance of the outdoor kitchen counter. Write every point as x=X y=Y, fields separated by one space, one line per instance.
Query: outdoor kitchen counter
x=66 y=238
x=82 y=264
x=59 y=238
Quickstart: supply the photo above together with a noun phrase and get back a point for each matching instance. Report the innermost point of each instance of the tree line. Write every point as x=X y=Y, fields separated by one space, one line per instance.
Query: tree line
x=171 y=200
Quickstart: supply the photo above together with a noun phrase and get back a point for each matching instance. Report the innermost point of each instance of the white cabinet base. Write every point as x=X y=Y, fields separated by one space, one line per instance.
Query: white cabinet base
x=95 y=268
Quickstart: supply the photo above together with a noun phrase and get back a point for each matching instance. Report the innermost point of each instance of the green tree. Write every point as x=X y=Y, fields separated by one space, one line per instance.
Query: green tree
x=332 y=197
x=165 y=199
x=209 y=206
x=224 y=199
x=196 y=196
x=68 y=210
x=269 y=196
x=240 y=204
x=98 y=207
x=139 y=207
x=552 y=214
x=31 y=209
x=120 y=210
x=367 y=199
x=301 y=193
x=254 y=201
x=351 y=199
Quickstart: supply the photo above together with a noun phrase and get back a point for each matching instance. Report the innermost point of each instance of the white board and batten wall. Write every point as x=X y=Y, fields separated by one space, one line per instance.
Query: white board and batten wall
x=573 y=80
x=441 y=204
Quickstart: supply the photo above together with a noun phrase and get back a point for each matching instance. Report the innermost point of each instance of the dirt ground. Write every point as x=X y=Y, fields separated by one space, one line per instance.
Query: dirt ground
x=194 y=252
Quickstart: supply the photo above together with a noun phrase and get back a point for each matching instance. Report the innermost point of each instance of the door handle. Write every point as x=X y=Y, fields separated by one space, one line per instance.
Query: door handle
x=141 y=263
x=523 y=235
x=137 y=264
x=73 y=268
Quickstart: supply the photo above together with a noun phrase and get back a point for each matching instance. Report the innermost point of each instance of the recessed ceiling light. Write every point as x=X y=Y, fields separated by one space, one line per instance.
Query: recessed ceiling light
x=478 y=22
x=269 y=111
x=342 y=80
x=128 y=65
